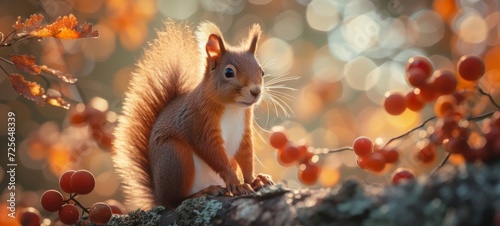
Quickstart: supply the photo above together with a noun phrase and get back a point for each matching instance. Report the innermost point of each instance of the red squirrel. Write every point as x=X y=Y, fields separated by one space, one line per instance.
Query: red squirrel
x=186 y=123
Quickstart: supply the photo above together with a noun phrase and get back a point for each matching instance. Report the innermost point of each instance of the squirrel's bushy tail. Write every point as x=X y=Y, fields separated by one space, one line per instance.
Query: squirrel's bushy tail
x=170 y=66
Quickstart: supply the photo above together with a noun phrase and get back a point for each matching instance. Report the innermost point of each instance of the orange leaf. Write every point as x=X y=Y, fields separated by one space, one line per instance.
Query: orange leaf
x=26 y=63
x=66 y=27
x=31 y=24
x=30 y=90
x=57 y=101
x=86 y=30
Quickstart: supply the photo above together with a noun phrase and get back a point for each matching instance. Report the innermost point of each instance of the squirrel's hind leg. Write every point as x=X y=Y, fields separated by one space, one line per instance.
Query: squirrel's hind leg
x=171 y=181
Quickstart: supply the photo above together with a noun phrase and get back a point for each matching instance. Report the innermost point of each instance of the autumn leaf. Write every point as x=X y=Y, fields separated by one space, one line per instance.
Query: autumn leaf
x=26 y=63
x=31 y=24
x=66 y=27
x=33 y=91
x=57 y=101
x=30 y=90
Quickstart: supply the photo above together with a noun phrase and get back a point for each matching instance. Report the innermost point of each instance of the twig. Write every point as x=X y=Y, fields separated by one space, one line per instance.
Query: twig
x=72 y=198
x=329 y=151
x=481 y=91
x=3 y=69
x=6 y=60
x=410 y=131
x=481 y=117
x=442 y=163
x=15 y=40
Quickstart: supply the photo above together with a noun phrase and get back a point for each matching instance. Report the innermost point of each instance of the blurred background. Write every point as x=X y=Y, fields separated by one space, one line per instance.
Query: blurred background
x=346 y=55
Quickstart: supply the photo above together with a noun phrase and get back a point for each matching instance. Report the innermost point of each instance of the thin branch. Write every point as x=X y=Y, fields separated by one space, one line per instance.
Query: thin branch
x=3 y=69
x=329 y=151
x=481 y=91
x=481 y=117
x=442 y=163
x=72 y=197
x=6 y=60
x=7 y=37
x=410 y=131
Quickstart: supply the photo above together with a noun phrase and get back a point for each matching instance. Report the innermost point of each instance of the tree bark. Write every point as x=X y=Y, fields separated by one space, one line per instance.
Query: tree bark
x=467 y=195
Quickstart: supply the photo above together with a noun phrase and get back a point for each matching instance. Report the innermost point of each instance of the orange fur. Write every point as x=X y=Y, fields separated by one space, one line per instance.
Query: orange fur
x=173 y=111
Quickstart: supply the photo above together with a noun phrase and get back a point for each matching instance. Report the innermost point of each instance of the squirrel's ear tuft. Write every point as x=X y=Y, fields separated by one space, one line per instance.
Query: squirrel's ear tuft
x=211 y=41
x=253 y=37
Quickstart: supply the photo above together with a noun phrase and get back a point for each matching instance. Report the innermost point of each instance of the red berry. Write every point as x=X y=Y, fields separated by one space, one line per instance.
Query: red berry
x=308 y=173
x=444 y=105
x=418 y=71
x=82 y=182
x=289 y=154
x=457 y=145
x=427 y=154
x=390 y=155
x=64 y=181
x=304 y=155
x=29 y=217
x=412 y=102
x=375 y=162
x=52 y=200
x=100 y=213
x=278 y=139
x=470 y=67
x=361 y=162
x=116 y=207
x=394 y=103
x=445 y=82
x=77 y=115
x=68 y=214
x=402 y=174
x=362 y=146
x=425 y=93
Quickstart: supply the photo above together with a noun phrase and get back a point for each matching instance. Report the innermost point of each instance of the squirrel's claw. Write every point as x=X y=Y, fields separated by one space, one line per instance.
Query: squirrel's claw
x=240 y=189
x=261 y=181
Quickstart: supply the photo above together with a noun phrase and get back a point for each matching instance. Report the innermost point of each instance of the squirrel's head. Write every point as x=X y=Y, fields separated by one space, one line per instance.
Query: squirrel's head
x=232 y=73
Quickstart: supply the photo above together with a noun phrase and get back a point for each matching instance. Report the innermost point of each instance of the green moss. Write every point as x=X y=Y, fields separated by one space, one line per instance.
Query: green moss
x=199 y=211
x=139 y=217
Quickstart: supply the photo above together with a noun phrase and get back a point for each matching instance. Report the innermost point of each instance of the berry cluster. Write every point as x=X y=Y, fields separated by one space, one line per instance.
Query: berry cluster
x=453 y=130
x=371 y=157
x=75 y=183
x=290 y=153
x=433 y=86
x=98 y=118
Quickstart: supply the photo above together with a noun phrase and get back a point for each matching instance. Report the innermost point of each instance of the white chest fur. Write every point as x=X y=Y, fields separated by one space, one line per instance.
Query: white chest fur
x=232 y=126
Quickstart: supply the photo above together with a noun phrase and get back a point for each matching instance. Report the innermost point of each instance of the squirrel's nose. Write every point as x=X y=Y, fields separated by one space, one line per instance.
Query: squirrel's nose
x=255 y=91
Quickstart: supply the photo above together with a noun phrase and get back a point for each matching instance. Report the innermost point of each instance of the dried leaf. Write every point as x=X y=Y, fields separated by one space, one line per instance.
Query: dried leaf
x=86 y=30
x=26 y=63
x=57 y=101
x=66 y=27
x=31 y=24
x=30 y=90
x=65 y=77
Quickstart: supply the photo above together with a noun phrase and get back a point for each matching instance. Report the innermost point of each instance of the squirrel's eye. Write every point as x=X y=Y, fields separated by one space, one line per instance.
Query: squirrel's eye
x=229 y=73
x=263 y=73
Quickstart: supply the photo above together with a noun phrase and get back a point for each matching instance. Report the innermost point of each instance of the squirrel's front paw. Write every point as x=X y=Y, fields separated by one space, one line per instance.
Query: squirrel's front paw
x=240 y=189
x=261 y=180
